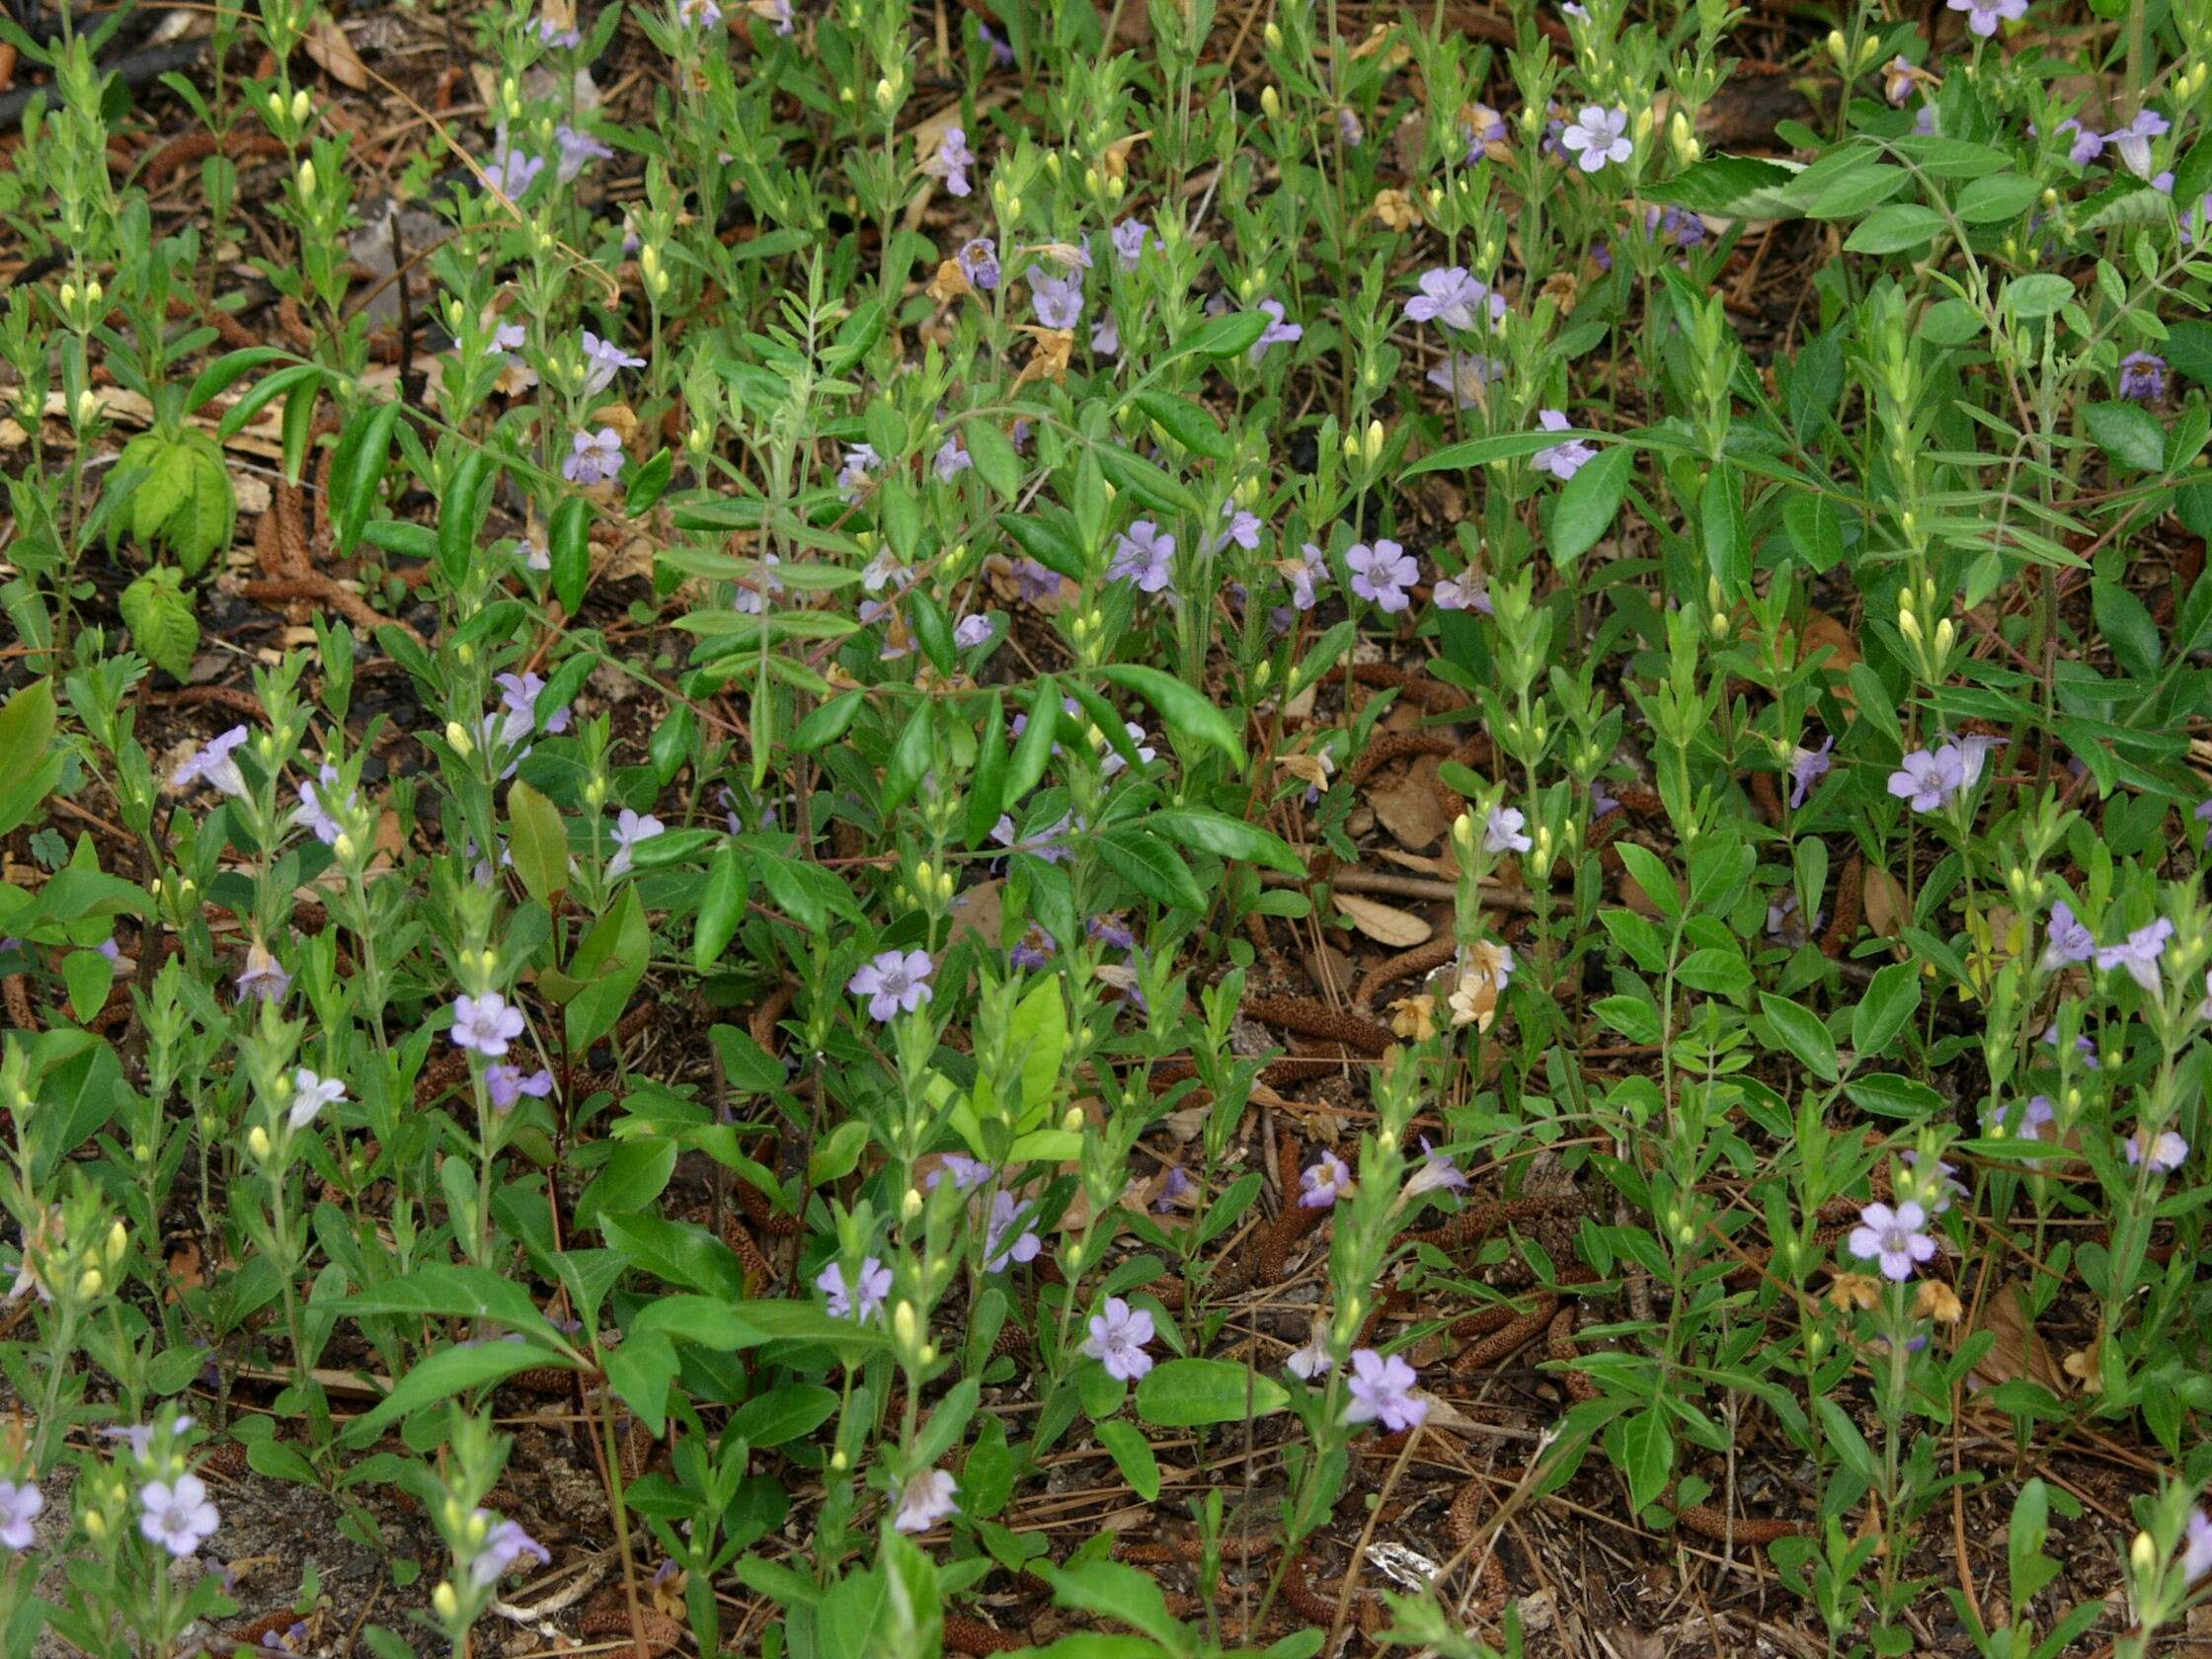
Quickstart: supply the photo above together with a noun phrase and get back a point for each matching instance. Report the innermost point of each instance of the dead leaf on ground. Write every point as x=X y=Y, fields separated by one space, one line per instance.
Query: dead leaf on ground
x=1408 y=807
x=2019 y=1354
x=1384 y=925
x=978 y=912
x=1883 y=902
x=328 y=46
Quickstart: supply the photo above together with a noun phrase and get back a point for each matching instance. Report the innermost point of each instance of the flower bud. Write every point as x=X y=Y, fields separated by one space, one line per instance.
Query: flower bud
x=301 y=106
x=444 y=1603
x=1273 y=35
x=257 y=1142
x=119 y=1240
x=1271 y=103
x=91 y=1284
x=1374 y=441
x=2143 y=1554
x=307 y=179
x=457 y=738
x=910 y=1206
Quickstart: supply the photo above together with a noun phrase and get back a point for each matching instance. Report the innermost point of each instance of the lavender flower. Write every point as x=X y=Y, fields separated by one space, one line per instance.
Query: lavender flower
x=629 y=830
x=2037 y=1115
x=860 y=460
x=262 y=976
x=20 y=1505
x=485 y=1024
x=2083 y=1046
x=1056 y=300
x=1894 y=1238
x=310 y=1094
x=1503 y=831
x=1382 y=573
x=952 y=161
x=1309 y=1362
x=1929 y=780
x=1129 y=239
x=2067 y=940
x=2087 y=145
x=1309 y=569
x=1451 y=296
x=926 y=1499
x=519 y=695
x=2166 y=1153
x=554 y=35
x=1785 y=924
x=1277 y=333
x=594 y=457
x=506 y=1085
x=1437 y=1172
x=1009 y=1215
x=577 y=151
x=1898 y=76
x=1808 y=766
x=972 y=631
x=1382 y=1391
x=699 y=14
x=1941 y=1187
x=951 y=460
x=2143 y=377
x=1465 y=374
x=894 y=983
x=2197 y=1553
x=510 y=172
x=603 y=359
x=176 y=1513
x=866 y=1294
x=211 y=762
x=1144 y=556
x=1322 y=1183
x=978 y=263
x=2139 y=953
x=2133 y=141
x=1118 y=1334
x=314 y=814
x=1983 y=16
x=1562 y=460
x=1600 y=135
x=1243 y=529
x=506 y=1544
x=1463 y=592
x=753 y=596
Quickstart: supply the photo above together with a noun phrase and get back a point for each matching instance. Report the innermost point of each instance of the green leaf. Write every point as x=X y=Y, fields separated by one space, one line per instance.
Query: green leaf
x=2133 y=632
x=1133 y=1455
x=610 y=962
x=641 y=1371
x=1652 y=878
x=2129 y=433
x=1892 y=229
x=1038 y=1038
x=1034 y=749
x=1725 y=531
x=1182 y=705
x=364 y=450
x=446 y=1373
x=721 y=907
x=445 y=1290
x=1802 y=1034
x=1220 y=337
x=218 y=376
x=1186 y=423
x=648 y=483
x=1587 y=505
x=1185 y=1394
x=540 y=843
x=1642 y=1448
x=1631 y=1016
x=993 y=454
x=1155 y=869
x=782 y=1415
x=2000 y=195
x=1722 y=184
x=568 y=546
x=637 y=1172
x=1483 y=451
x=1717 y=973
x=1110 y=1590
x=1814 y=531
x=2037 y=294
x=159 y=614
x=462 y=513
x=1224 y=836
x=2188 y=350
x=911 y=757
x=87 y=975
x=1891 y=996
x=203 y=522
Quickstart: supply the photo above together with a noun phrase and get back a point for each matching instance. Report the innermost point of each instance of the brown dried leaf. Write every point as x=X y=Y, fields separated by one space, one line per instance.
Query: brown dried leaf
x=1408 y=807
x=1884 y=902
x=1399 y=929
x=2019 y=1353
x=326 y=44
x=950 y=284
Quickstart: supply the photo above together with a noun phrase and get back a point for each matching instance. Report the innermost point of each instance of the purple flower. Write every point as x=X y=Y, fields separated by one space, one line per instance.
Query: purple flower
x=1277 y=333
x=2133 y=140
x=967 y=1173
x=1009 y=1215
x=19 y=1507
x=1382 y=1391
x=1175 y=1181
x=860 y=460
x=1034 y=950
x=1488 y=128
x=1601 y=136
x=1001 y=52
x=1463 y=374
x=752 y=596
x=510 y=171
x=178 y=1515
x=951 y=460
x=519 y=695
x=1983 y=16
x=2067 y=941
x=1106 y=336
x=894 y=983
x=2083 y=1046
x=1451 y=296
x=1382 y=573
x=2197 y=1553
x=1686 y=229
x=2038 y=1115
x=603 y=359
x=1243 y=529
x=2087 y=144
x=594 y=457
x=926 y=1499
x=699 y=14
x=2166 y=1151
x=211 y=762
x=1463 y=592
x=577 y=151
x=1309 y=1362
x=1929 y=780
x=2143 y=377
x=972 y=631
x=1144 y=556
x=1894 y=1238
x=506 y=1544
x=1056 y=300
x=485 y=1024
x=2139 y=953
x=505 y=1085
x=629 y=830
x=1562 y=460
x=1898 y=76
x=1129 y=239
x=310 y=1094
x=1942 y=1188
x=867 y=1295
x=952 y=161
x=262 y=976
x=1111 y=930
x=1503 y=831
x=314 y=814
x=1309 y=569
x=1438 y=1171
x=1808 y=766
x=1785 y=923
x=1118 y=1334
x=978 y=263
x=2203 y=815
x=1322 y=1183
